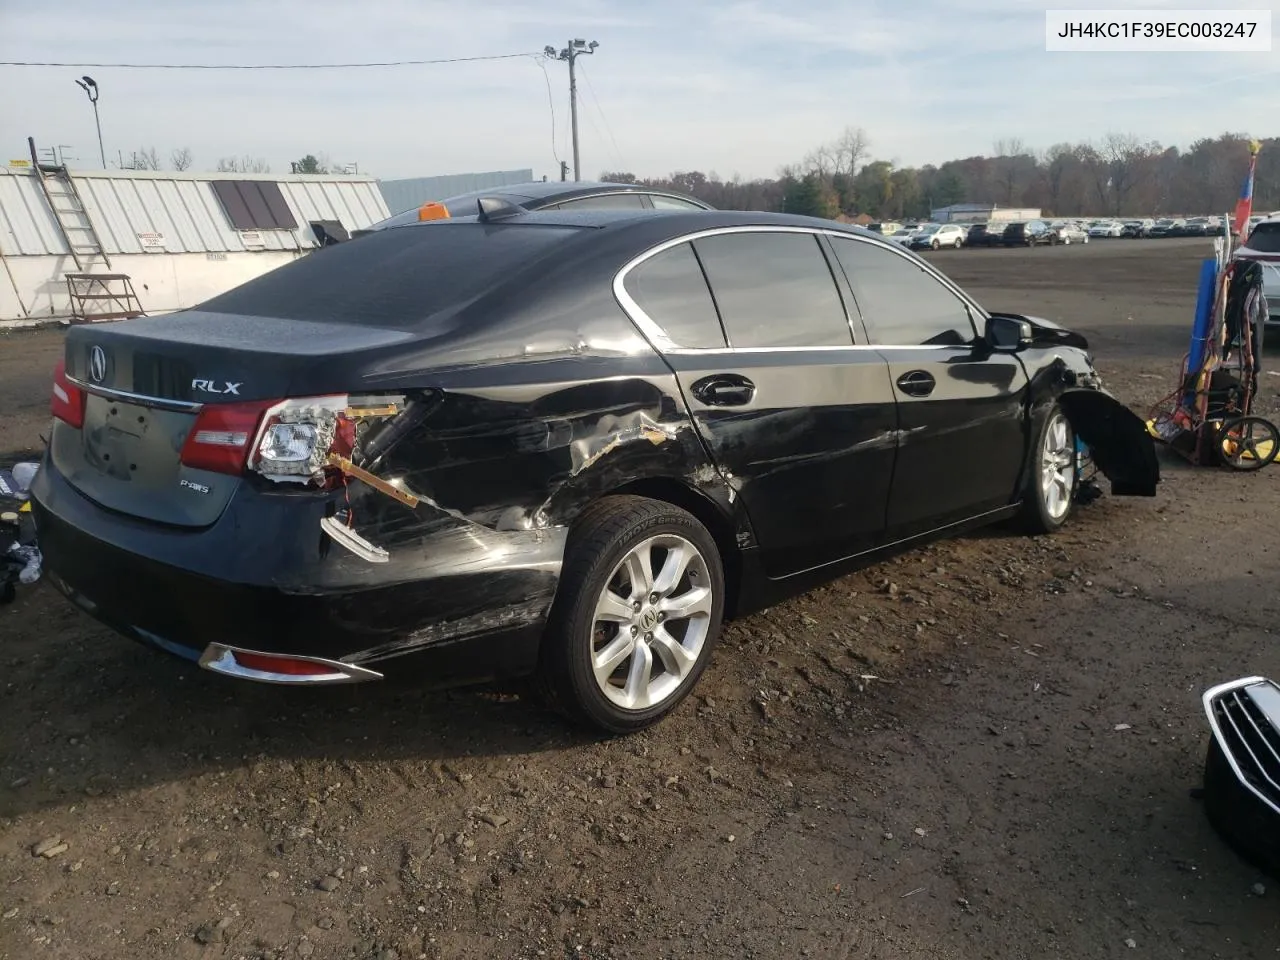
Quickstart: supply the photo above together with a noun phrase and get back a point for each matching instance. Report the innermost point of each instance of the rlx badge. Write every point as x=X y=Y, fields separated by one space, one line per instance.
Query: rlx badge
x=207 y=386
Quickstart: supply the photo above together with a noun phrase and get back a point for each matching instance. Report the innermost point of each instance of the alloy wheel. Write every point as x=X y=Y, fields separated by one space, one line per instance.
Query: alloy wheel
x=651 y=622
x=1057 y=467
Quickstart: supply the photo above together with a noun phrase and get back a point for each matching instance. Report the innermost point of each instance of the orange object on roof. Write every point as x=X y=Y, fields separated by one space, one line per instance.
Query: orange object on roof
x=433 y=211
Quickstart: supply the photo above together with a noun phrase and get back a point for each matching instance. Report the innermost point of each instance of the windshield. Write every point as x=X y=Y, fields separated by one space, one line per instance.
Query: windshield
x=1265 y=238
x=929 y=228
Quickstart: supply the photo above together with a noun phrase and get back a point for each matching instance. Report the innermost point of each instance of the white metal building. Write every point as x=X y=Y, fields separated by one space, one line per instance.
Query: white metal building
x=179 y=237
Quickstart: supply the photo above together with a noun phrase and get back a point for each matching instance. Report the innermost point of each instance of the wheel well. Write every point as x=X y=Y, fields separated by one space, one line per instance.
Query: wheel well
x=708 y=514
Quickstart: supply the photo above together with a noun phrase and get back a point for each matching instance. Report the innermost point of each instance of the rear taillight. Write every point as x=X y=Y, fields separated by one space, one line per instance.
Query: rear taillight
x=222 y=436
x=298 y=435
x=67 y=400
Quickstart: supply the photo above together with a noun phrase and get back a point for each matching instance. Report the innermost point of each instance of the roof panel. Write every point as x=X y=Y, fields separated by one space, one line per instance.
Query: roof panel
x=27 y=225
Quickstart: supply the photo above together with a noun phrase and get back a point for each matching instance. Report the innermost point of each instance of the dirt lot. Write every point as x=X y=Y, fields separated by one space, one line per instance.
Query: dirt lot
x=984 y=749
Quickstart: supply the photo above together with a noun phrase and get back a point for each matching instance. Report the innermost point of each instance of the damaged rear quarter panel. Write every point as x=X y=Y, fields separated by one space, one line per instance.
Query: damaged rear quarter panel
x=508 y=456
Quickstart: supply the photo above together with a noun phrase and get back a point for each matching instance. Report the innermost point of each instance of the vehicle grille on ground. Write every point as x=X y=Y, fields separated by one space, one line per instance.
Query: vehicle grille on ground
x=1248 y=735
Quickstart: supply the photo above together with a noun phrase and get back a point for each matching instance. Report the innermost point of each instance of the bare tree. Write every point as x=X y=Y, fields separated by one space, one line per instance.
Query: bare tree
x=245 y=164
x=145 y=158
x=850 y=149
x=821 y=161
x=180 y=158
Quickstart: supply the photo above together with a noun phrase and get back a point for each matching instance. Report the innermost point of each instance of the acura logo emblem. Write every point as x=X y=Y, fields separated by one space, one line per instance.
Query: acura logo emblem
x=97 y=365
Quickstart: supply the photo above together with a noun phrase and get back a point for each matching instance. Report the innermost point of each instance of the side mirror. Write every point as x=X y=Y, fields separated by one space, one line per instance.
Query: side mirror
x=1008 y=334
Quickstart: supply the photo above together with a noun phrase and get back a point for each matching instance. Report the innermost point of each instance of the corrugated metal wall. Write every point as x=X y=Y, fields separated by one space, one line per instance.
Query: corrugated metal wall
x=184 y=209
x=402 y=195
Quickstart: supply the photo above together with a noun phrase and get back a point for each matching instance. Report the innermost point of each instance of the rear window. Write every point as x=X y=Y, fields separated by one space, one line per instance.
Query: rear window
x=1265 y=238
x=394 y=278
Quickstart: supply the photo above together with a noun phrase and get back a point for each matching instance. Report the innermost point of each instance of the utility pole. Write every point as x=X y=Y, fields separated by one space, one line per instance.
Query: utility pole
x=564 y=170
x=91 y=90
x=570 y=54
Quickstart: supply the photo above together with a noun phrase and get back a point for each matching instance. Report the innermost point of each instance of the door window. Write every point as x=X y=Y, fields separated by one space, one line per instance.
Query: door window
x=901 y=302
x=774 y=290
x=671 y=289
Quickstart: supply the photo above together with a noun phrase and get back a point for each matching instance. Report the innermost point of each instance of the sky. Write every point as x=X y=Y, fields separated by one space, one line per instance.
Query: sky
x=725 y=86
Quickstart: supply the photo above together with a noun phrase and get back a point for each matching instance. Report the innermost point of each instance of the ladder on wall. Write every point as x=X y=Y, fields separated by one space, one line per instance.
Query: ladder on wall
x=70 y=214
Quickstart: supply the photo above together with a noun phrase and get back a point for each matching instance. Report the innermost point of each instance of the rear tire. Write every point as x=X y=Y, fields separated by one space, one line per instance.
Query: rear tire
x=1051 y=483
x=958 y=244
x=637 y=614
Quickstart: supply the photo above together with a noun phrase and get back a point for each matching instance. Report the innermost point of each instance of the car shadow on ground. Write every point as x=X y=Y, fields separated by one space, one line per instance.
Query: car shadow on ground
x=126 y=717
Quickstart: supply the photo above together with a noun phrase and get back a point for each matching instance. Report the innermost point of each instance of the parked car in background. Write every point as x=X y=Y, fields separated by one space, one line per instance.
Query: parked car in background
x=985 y=234
x=562 y=443
x=547 y=195
x=1167 y=227
x=1107 y=229
x=934 y=236
x=1069 y=231
x=1136 y=229
x=885 y=228
x=1028 y=233
x=1194 y=227
x=1263 y=245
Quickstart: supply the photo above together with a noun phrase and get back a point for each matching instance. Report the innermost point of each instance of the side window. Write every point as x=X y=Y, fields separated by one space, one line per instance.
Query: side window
x=671 y=289
x=613 y=201
x=902 y=303
x=774 y=290
x=671 y=203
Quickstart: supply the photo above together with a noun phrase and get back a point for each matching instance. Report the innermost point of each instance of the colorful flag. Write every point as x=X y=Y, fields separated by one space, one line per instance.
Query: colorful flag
x=1244 y=206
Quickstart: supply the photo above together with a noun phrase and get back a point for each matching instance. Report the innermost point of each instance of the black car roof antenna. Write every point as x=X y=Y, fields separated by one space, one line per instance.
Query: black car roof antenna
x=496 y=208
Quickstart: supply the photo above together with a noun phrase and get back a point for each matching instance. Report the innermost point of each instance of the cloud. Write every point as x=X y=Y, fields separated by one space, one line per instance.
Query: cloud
x=727 y=85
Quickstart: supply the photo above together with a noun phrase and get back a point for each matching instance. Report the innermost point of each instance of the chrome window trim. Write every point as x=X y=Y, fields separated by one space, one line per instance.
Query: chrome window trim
x=567 y=205
x=186 y=406
x=652 y=331
x=1212 y=694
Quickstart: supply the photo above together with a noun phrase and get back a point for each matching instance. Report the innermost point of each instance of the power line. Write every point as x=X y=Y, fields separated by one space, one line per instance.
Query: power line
x=600 y=110
x=541 y=61
x=268 y=66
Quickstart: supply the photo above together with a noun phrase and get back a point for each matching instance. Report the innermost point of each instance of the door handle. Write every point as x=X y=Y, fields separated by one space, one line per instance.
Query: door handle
x=724 y=390
x=917 y=383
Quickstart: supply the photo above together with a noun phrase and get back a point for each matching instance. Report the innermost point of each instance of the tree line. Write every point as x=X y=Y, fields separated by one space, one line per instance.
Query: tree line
x=1120 y=175
x=181 y=158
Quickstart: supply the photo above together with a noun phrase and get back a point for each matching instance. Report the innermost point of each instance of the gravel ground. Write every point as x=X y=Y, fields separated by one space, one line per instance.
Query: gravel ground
x=981 y=749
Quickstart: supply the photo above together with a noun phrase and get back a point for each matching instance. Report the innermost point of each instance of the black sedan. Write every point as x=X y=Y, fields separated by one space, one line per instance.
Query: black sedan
x=559 y=444
x=548 y=195
x=1028 y=233
x=985 y=235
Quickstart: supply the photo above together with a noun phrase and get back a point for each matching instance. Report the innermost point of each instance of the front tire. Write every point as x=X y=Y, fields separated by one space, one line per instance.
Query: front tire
x=934 y=245
x=1051 y=484
x=638 y=611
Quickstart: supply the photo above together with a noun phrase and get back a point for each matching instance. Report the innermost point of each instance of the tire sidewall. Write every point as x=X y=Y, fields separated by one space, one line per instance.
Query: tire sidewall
x=1038 y=516
x=578 y=619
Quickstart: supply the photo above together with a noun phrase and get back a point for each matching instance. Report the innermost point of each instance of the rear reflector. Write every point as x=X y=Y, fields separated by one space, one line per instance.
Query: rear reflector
x=286 y=665
x=219 y=440
x=67 y=400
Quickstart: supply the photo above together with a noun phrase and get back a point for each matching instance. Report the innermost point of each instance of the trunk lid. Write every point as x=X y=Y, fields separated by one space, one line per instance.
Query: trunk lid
x=147 y=379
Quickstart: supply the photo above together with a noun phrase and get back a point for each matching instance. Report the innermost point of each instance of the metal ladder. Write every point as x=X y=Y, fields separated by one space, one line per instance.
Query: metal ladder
x=73 y=219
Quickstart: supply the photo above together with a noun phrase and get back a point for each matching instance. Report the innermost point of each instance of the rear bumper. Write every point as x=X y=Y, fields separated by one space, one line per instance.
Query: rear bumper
x=470 y=600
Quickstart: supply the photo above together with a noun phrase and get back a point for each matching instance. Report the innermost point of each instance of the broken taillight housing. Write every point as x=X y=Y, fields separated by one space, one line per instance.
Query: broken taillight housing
x=67 y=400
x=298 y=436
x=283 y=440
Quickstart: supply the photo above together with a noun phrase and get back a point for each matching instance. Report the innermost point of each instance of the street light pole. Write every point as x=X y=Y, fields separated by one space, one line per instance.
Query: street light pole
x=91 y=90
x=570 y=54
